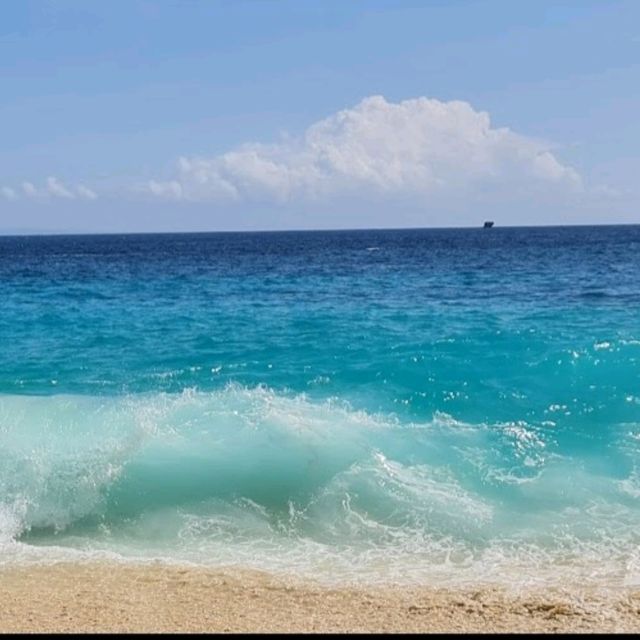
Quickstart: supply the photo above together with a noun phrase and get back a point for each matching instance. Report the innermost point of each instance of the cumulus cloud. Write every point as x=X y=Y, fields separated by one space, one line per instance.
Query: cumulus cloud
x=52 y=188
x=422 y=148
x=57 y=189
x=9 y=193
x=29 y=190
x=85 y=192
x=171 y=189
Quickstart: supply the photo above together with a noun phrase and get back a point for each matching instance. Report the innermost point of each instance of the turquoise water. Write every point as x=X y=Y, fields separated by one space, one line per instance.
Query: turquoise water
x=440 y=405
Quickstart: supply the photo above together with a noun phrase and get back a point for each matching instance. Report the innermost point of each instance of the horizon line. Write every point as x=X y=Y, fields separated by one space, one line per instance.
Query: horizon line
x=13 y=233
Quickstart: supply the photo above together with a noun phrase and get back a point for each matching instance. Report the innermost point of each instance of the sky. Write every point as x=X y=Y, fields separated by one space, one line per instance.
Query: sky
x=207 y=115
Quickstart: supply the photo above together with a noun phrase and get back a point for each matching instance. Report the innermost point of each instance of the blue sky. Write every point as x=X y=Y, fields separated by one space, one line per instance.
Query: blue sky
x=133 y=115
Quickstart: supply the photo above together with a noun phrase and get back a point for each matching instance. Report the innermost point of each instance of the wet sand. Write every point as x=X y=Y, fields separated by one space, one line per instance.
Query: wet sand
x=118 y=597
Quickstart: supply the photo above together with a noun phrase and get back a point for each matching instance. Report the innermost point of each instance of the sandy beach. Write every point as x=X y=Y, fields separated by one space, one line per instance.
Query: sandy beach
x=122 y=598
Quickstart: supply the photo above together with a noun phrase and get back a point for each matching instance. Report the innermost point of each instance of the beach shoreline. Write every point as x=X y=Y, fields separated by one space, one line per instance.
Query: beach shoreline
x=118 y=597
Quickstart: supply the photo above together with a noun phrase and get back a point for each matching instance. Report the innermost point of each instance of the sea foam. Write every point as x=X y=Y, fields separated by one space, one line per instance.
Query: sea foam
x=277 y=481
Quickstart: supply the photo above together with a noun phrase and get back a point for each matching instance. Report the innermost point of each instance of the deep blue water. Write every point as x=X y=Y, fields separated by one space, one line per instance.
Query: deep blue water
x=400 y=403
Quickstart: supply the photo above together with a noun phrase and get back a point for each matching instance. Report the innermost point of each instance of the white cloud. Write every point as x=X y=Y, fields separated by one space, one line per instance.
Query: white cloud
x=57 y=189
x=421 y=148
x=85 y=192
x=9 y=193
x=53 y=188
x=172 y=189
x=29 y=190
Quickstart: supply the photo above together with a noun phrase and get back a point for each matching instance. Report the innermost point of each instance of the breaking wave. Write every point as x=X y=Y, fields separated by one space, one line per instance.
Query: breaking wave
x=275 y=481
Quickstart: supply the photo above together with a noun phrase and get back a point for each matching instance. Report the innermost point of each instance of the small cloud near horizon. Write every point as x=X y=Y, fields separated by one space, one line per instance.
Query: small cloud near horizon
x=52 y=188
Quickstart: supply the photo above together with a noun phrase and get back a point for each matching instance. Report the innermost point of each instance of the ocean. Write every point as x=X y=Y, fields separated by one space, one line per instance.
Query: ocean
x=440 y=406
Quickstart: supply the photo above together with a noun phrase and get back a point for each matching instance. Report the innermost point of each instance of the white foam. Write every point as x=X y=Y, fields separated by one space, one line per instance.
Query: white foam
x=278 y=482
